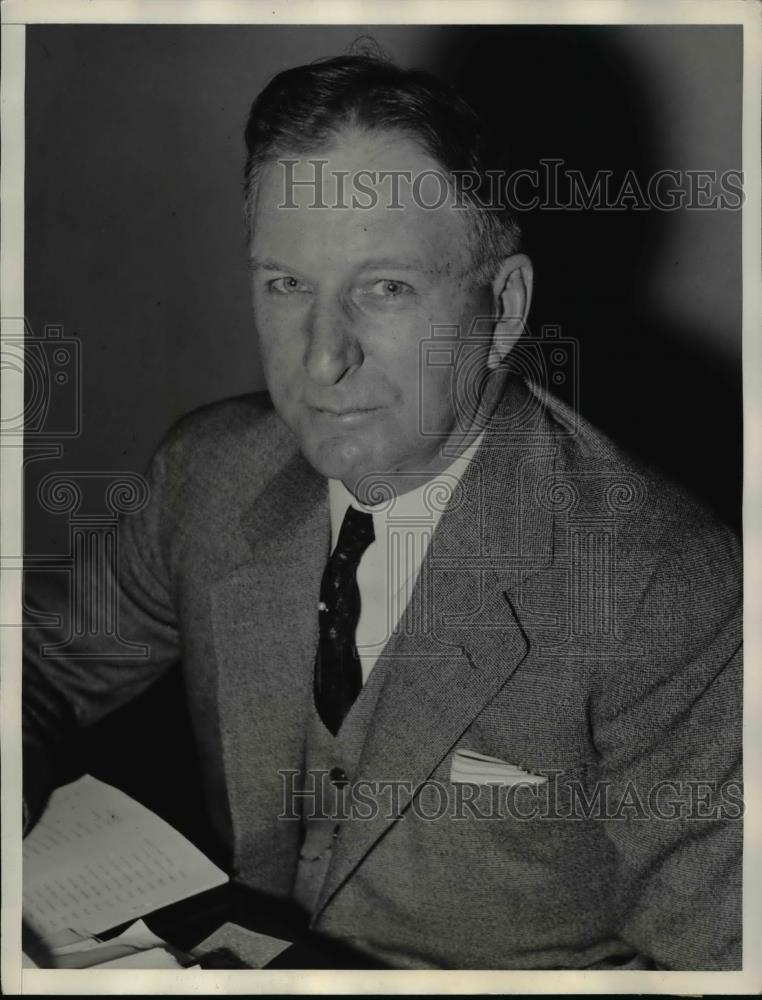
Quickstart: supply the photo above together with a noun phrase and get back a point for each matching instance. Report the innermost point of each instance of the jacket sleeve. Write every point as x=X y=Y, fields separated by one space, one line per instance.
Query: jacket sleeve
x=668 y=727
x=72 y=677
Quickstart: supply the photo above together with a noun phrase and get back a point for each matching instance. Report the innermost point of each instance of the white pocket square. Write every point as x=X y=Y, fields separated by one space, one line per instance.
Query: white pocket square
x=474 y=768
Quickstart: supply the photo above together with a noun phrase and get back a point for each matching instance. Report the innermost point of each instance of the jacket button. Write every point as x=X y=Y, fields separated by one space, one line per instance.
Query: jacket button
x=338 y=776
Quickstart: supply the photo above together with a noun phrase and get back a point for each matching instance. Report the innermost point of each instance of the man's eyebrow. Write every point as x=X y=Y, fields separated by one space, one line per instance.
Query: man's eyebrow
x=398 y=264
x=267 y=264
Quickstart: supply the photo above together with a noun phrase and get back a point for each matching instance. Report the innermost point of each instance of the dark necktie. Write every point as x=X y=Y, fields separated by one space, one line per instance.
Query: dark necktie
x=338 y=674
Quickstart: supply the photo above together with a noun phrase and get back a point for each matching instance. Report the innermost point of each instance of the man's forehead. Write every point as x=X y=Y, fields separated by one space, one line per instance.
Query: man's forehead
x=322 y=181
x=377 y=190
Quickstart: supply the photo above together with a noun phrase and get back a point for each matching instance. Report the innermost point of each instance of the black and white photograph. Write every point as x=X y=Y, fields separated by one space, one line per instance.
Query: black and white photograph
x=378 y=488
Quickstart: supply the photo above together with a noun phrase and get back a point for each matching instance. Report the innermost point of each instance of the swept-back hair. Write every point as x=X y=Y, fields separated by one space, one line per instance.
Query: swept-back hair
x=303 y=110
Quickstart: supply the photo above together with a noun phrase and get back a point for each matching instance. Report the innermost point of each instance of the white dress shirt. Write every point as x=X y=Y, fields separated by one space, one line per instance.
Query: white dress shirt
x=389 y=568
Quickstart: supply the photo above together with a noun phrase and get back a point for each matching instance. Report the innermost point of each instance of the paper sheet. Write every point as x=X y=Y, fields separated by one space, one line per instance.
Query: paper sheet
x=156 y=958
x=92 y=951
x=97 y=858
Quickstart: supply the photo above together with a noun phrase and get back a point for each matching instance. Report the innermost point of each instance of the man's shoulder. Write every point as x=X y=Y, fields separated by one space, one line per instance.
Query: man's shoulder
x=582 y=444
x=228 y=421
x=596 y=477
x=224 y=451
x=231 y=429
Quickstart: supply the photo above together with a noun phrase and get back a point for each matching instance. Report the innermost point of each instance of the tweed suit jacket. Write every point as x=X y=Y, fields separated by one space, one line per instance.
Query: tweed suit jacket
x=576 y=617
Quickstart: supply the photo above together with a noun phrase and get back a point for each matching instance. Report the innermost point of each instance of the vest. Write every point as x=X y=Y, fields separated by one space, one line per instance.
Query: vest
x=331 y=764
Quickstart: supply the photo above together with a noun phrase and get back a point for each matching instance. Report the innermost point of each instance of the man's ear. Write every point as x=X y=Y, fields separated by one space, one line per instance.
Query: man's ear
x=512 y=295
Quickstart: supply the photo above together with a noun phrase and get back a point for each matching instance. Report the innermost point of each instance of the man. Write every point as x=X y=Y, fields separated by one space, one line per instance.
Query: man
x=465 y=678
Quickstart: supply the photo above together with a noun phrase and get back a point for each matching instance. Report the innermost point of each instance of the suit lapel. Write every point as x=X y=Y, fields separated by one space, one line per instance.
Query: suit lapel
x=265 y=633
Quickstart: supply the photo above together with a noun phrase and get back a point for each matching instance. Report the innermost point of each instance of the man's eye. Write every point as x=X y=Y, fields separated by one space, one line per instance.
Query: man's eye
x=390 y=289
x=286 y=286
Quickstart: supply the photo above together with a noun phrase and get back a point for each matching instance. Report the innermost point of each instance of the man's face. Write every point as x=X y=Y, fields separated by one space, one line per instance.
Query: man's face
x=343 y=298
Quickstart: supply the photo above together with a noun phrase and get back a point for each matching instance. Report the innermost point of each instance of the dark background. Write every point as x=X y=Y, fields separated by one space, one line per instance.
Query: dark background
x=134 y=245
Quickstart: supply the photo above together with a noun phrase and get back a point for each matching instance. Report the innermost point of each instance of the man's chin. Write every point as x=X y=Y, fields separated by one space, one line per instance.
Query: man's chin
x=347 y=461
x=369 y=470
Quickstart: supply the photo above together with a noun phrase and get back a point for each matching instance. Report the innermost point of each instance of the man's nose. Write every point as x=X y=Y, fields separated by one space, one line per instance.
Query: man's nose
x=332 y=350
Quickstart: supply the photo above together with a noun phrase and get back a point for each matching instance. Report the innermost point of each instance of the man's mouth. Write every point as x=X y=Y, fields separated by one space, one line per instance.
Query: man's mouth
x=346 y=414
